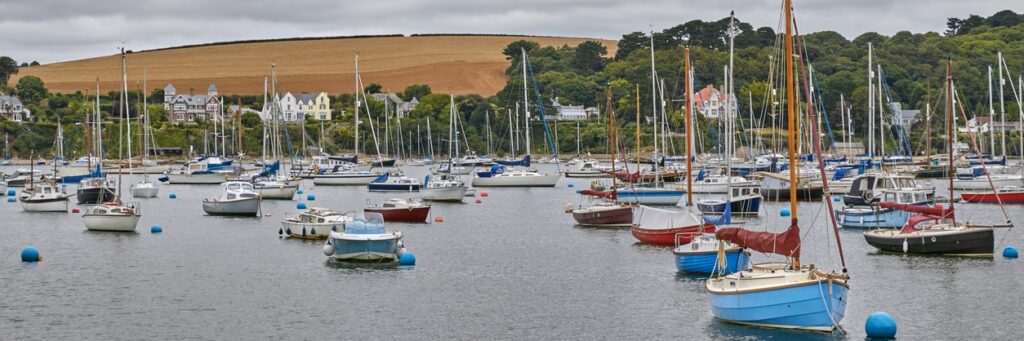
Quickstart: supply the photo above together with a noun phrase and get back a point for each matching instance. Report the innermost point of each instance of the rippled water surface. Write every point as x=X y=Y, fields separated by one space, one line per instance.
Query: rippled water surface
x=512 y=267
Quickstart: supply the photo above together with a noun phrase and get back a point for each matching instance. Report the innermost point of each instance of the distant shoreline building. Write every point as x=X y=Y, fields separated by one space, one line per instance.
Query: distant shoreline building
x=12 y=109
x=396 y=104
x=570 y=112
x=709 y=102
x=189 y=108
x=295 y=109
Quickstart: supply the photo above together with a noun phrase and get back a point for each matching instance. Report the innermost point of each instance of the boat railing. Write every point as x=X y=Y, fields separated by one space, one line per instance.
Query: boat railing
x=685 y=236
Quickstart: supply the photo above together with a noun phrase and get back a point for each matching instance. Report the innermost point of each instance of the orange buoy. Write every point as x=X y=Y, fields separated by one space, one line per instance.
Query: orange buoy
x=438 y=219
x=483 y=194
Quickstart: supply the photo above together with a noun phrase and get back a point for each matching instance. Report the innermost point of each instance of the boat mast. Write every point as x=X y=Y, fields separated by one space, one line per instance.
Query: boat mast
x=86 y=128
x=790 y=101
x=728 y=112
x=358 y=103
x=430 y=142
x=991 y=117
x=99 y=126
x=654 y=110
x=270 y=111
x=611 y=135
x=689 y=129
x=637 y=134
x=124 y=105
x=526 y=104
x=871 y=106
x=949 y=131
x=881 y=115
x=1002 y=104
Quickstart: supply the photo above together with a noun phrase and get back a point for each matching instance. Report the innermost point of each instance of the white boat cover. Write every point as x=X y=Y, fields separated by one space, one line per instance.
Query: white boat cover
x=651 y=218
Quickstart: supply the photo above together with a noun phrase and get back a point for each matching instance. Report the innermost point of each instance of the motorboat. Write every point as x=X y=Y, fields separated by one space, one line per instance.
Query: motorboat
x=987 y=181
x=775 y=186
x=648 y=195
x=743 y=201
x=443 y=188
x=21 y=177
x=365 y=240
x=237 y=198
x=857 y=214
x=198 y=173
x=113 y=216
x=145 y=189
x=314 y=223
x=586 y=168
x=1005 y=195
x=44 y=197
x=719 y=184
x=396 y=209
x=94 y=191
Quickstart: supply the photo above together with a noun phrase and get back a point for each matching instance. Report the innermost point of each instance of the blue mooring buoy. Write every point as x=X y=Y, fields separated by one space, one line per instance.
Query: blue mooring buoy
x=785 y=212
x=311 y=197
x=173 y=196
x=30 y=254
x=11 y=192
x=156 y=229
x=836 y=199
x=570 y=185
x=1010 y=252
x=10 y=199
x=880 y=325
x=299 y=191
x=300 y=205
x=407 y=259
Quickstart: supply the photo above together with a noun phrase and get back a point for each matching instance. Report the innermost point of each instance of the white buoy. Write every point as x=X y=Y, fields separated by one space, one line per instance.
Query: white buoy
x=328 y=249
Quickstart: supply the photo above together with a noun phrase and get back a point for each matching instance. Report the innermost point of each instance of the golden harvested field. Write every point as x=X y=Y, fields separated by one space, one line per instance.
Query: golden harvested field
x=449 y=64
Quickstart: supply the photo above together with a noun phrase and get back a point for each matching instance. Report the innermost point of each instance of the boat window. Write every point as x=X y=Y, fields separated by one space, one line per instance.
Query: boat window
x=905 y=183
x=890 y=196
x=920 y=197
x=886 y=184
x=906 y=198
x=231 y=196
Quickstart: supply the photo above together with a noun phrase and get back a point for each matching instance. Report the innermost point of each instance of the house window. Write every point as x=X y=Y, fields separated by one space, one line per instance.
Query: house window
x=323 y=106
x=289 y=107
x=191 y=117
x=323 y=116
x=181 y=117
x=179 y=106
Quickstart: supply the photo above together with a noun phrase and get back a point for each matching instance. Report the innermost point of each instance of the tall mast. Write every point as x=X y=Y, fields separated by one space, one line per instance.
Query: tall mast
x=728 y=112
x=124 y=105
x=430 y=142
x=1002 y=104
x=611 y=134
x=358 y=103
x=271 y=112
x=487 y=120
x=689 y=129
x=842 y=118
x=86 y=128
x=871 y=106
x=949 y=129
x=654 y=106
x=99 y=126
x=991 y=117
x=526 y=104
x=790 y=104
x=637 y=133
x=881 y=115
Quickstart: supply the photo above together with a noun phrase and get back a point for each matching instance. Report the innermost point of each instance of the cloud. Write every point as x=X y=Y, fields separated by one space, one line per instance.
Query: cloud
x=53 y=30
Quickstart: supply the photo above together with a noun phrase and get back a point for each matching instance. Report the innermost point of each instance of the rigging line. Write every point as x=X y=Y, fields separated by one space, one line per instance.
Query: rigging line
x=974 y=145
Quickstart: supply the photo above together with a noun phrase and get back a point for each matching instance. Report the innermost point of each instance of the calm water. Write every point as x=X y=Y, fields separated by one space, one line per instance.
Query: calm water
x=513 y=267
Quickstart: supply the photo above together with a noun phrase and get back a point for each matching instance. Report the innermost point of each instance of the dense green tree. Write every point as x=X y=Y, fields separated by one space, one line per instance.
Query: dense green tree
x=415 y=91
x=373 y=88
x=590 y=56
x=8 y=67
x=31 y=89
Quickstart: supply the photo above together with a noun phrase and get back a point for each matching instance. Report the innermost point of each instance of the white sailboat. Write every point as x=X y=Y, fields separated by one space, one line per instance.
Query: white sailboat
x=446 y=186
x=113 y=216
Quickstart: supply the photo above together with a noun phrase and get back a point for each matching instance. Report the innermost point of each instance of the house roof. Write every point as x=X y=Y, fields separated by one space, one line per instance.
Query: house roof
x=13 y=101
x=307 y=97
x=706 y=94
x=909 y=114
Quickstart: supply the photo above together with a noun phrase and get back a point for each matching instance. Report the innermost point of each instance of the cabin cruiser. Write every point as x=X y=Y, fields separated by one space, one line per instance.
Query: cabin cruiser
x=198 y=173
x=314 y=223
x=586 y=168
x=237 y=198
x=94 y=191
x=44 y=197
x=394 y=182
x=345 y=176
x=112 y=216
x=365 y=240
x=443 y=188
x=500 y=176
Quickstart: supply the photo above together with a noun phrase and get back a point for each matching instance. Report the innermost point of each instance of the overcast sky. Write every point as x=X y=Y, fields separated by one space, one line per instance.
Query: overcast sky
x=55 y=30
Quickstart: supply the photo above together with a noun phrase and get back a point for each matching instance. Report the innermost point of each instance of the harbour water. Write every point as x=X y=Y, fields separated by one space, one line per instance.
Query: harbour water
x=511 y=267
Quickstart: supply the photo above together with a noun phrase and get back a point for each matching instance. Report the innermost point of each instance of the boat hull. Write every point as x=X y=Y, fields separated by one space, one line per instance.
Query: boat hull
x=613 y=216
x=95 y=195
x=993 y=198
x=982 y=183
x=965 y=242
x=587 y=174
x=44 y=205
x=547 y=180
x=872 y=218
x=794 y=306
x=706 y=262
x=783 y=194
x=417 y=214
x=387 y=187
x=197 y=179
x=240 y=207
x=282 y=191
x=344 y=180
x=669 y=236
x=112 y=223
x=310 y=230
x=145 y=192
x=370 y=249
x=643 y=197
x=443 y=193
x=738 y=206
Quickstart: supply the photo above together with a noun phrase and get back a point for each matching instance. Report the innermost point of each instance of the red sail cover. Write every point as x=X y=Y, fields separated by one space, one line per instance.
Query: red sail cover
x=600 y=194
x=937 y=212
x=625 y=176
x=786 y=243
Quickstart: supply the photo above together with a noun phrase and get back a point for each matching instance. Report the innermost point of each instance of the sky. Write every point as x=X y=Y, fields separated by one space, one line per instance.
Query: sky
x=54 y=30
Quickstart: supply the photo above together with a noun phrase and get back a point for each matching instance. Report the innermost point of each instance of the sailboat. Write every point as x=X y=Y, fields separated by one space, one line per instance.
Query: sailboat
x=945 y=236
x=145 y=188
x=114 y=215
x=97 y=188
x=606 y=213
x=742 y=198
x=446 y=186
x=271 y=183
x=44 y=196
x=520 y=176
x=786 y=295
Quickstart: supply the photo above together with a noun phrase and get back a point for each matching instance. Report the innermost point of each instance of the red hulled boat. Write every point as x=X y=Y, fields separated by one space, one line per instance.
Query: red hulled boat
x=401 y=210
x=664 y=227
x=1006 y=195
